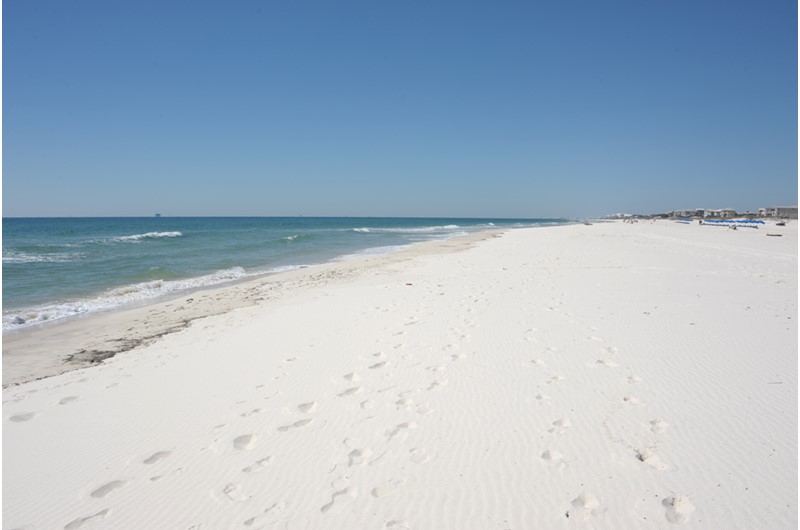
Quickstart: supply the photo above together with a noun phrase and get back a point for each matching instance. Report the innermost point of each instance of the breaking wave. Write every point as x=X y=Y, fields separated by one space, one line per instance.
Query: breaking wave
x=116 y=297
x=148 y=235
x=17 y=256
x=409 y=230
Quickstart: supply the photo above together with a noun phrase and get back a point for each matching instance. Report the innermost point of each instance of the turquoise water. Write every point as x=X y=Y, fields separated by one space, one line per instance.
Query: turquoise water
x=55 y=268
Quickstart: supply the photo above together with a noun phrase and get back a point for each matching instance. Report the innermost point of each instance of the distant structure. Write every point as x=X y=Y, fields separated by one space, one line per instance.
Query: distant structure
x=158 y=215
x=695 y=212
x=722 y=213
x=783 y=212
x=777 y=212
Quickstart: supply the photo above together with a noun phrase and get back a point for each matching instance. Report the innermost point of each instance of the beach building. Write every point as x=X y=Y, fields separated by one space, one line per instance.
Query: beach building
x=784 y=212
x=696 y=212
x=722 y=213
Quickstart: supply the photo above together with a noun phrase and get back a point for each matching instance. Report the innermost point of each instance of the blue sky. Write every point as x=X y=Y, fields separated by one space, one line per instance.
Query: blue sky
x=497 y=109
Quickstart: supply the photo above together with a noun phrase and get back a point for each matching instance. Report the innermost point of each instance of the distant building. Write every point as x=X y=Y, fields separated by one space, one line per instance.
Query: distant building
x=697 y=212
x=784 y=212
x=722 y=213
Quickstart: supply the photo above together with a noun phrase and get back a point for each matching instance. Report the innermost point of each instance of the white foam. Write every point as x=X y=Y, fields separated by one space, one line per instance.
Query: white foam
x=408 y=230
x=114 y=298
x=286 y=268
x=374 y=251
x=148 y=235
x=16 y=256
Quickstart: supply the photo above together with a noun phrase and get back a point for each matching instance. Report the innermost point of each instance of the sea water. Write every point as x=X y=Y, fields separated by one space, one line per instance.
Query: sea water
x=59 y=267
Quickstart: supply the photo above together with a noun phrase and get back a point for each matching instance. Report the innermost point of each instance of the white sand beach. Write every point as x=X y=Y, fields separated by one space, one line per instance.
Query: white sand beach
x=612 y=376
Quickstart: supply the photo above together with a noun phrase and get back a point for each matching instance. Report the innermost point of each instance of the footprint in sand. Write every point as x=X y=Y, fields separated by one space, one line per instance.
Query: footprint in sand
x=69 y=399
x=560 y=425
x=585 y=506
x=268 y=515
x=555 y=379
x=107 y=489
x=420 y=455
x=27 y=416
x=458 y=357
x=295 y=425
x=259 y=465
x=232 y=492
x=594 y=339
x=542 y=398
x=404 y=403
x=376 y=366
x=551 y=456
x=244 y=442
x=424 y=410
x=402 y=428
x=156 y=457
x=658 y=425
x=633 y=379
x=608 y=363
x=80 y=521
x=631 y=400
x=351 y=391
x=386 y=488
x=438 y=383
x=538 y=363
x=649 y=457
x=308 y=408
x=358 y=457
x=678 y=509
x=352 y=377
x=349 y=492
x=398 y=524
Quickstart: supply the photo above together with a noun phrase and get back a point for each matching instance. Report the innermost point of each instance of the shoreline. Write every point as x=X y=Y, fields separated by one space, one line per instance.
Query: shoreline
x=51 y=348
x=259 y=247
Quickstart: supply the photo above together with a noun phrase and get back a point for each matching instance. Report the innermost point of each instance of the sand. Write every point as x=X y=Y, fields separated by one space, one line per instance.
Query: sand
x=619 y=376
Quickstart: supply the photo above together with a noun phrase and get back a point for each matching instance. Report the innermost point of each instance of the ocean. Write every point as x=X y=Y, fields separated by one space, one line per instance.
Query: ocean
x=55 y=268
